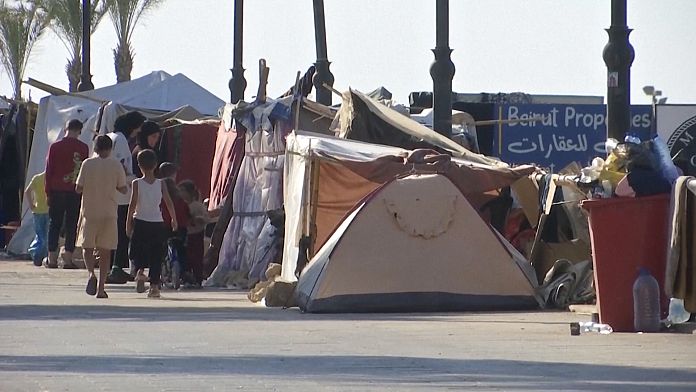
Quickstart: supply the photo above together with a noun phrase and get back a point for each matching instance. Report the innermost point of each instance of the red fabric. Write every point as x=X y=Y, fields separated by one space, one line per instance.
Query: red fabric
x=63 y=164
x=195 y=154
x=181 y=210
x=229 y=151
x=194 y=254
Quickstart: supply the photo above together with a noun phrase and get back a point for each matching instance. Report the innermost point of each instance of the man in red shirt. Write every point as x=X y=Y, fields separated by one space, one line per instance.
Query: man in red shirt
x=62 y=166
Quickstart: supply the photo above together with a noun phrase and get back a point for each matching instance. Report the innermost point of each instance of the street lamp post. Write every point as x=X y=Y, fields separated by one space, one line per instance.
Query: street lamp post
x=618 y=56
x=237 y=83
x=86 y=78
x=654 y=101
x=442 y=71
x=323 y=74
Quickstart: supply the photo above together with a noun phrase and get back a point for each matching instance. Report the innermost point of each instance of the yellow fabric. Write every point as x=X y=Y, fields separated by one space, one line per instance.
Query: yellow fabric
x=37 y=185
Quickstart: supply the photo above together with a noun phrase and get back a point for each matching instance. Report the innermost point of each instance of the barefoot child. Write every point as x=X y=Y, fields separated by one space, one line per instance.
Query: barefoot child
x=145 y=225
x=99 y=180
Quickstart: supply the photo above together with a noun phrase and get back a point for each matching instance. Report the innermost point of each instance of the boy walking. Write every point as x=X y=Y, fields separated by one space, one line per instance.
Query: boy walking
x=145 y=225
x=99 y=181
x=36 y=195
x=62 y=166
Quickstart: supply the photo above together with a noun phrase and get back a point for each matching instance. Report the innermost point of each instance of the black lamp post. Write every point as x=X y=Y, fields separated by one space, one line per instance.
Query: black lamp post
x=323 y=74
x=237 y=82
x=618 y=56
x=86 y=78
x=442 y=71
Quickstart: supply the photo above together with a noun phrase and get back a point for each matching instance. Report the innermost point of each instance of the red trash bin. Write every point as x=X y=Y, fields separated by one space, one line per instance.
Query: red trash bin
x=626 y=234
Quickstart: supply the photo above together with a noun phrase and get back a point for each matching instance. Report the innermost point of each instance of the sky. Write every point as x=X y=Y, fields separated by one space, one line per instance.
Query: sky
x=531 y=46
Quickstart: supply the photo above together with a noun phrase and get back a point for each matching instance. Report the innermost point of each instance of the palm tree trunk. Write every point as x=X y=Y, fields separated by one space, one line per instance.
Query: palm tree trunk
x=73 y=69
x=17 y=88
x=123 y=62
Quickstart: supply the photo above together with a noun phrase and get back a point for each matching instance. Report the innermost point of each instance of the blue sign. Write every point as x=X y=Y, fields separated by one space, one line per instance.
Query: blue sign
x=554 y=136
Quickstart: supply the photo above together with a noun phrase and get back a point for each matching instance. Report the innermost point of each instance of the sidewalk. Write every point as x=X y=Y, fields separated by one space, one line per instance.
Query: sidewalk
x=53 y=337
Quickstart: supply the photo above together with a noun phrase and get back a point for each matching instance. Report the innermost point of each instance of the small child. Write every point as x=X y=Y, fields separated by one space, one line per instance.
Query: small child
x=36 y=196
x=99 y=181
x=145 y=224
x=176 y=237
x=196 y=229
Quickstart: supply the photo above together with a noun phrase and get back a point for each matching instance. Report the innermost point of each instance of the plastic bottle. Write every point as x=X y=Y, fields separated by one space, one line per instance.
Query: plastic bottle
x=677 y=313
x=589 y=326
x=646 y=303
x=632 y=137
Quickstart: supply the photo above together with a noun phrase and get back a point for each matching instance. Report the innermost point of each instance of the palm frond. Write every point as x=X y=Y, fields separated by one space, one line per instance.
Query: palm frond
x=21 y=25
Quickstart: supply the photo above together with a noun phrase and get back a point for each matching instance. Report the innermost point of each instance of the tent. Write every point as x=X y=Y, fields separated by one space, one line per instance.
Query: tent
x=154 y=94
x=416 y=244
x=325 y=177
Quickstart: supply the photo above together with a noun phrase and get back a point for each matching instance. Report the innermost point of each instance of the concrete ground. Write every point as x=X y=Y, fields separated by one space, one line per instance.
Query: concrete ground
x=53 y=337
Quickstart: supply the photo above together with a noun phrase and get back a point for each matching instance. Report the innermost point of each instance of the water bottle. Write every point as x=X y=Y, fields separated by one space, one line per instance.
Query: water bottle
x=646 y=303
x=632 y=137
x=589 y=326
x=677 y=313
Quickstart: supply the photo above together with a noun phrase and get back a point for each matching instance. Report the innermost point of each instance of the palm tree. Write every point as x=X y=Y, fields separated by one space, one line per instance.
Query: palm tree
x=125 y=15
x=66 y=22
x=21 y=24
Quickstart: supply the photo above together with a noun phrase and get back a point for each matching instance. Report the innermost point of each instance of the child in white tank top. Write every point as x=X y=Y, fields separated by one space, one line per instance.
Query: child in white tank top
x=145 y=225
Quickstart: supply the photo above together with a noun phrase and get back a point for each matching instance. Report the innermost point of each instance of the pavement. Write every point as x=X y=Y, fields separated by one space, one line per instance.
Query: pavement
x=53 y=337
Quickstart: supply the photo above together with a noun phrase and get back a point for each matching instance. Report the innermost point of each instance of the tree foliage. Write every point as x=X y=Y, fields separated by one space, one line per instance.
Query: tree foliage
x=22 y=23
x=66 y=23
x=125 y=15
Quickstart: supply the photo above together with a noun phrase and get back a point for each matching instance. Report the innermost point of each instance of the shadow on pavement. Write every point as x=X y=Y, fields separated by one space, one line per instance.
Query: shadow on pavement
x=430 y=372
x=178 y=312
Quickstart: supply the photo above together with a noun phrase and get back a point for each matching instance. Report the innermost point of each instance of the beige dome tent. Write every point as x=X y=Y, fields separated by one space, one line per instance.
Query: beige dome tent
x=416 y=244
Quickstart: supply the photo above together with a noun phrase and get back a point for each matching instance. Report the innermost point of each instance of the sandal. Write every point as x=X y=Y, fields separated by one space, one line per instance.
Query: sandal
x=140 y=283
x=91 y=288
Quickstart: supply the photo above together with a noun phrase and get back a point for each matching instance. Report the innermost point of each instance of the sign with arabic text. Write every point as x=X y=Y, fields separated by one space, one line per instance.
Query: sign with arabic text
x=553 y=136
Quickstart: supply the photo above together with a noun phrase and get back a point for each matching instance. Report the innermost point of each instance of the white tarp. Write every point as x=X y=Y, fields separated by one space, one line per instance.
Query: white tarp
x=155 y=91
x=300 y=148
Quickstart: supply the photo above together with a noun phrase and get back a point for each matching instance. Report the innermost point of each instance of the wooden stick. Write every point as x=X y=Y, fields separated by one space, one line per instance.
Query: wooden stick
x=263 y=81
x=333 y=90
x=298 y=104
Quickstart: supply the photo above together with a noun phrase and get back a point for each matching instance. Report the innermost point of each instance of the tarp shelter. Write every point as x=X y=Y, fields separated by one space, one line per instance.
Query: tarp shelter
x=153 y=94
x=257 y=131
x=416 y=244
x=325 y=177
x=364 y=119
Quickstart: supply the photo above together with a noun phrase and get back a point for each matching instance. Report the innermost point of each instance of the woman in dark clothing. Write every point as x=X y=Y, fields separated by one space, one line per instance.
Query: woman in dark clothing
x=147 y=139
x=126 y=127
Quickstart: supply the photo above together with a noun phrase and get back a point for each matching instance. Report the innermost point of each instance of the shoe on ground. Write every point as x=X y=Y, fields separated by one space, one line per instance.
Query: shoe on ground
x=91 y=288
x=102 y=295
x=117 y=276
x=50 y=265
x=140 y=283
x=154 y=292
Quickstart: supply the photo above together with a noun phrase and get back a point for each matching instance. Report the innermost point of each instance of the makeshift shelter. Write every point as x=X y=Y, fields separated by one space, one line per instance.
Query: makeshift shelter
x=416 y=244
x=325 y=177
x=157 y=95
x=248 y=166
x=364 y=119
